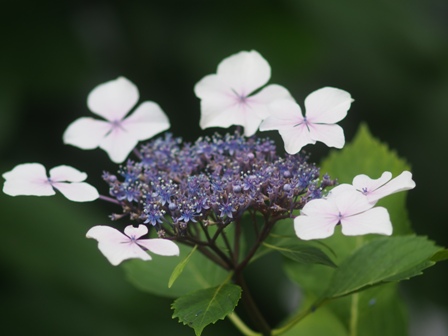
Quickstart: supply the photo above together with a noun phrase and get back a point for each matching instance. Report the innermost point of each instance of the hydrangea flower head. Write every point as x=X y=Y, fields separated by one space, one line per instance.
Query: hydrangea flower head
x=117 y=247
x=31 y=179
x=116 y=134
x=215 y=179
x=324 y=108
x=350 y=208
x=228 y=98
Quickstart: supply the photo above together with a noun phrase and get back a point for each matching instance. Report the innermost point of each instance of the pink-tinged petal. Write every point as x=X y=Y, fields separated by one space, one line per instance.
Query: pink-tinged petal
x=146 y=121
x=86 y=133
x=114 y=99
x=226 y=116
x=217 y=115
x=375 y=220
x=217 y=102
x=26 y=171
x=311 y=227
x=331 y=135
x=320 y=208
x=366 y=185
x=28 y=179
x=400 y=183
x=296 y=138
x=136 y=232
x=350 y=202
x=225 y=97
x=336 y=191
x=115 y=246
x=244 y=72
x=225 y=108
x=327 y=105
x=77 y=191
x=251 y=123
x=213 y=88
x=214 y=115
x=136 y=252
x=107 y=234
x=285 y=114
x=260 y=102
x=217 y=97
x=160 y=246
x=118 y=144
x=27 y=188
x=66 y=173
x=221 y=110
x=272 y=93
x=317 y=220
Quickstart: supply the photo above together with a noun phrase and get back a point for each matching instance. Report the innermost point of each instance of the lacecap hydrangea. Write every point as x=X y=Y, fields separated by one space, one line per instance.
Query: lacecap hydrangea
x=181 y=189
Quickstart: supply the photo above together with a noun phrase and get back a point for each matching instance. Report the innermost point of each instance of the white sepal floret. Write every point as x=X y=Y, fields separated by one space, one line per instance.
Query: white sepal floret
x=230 y=96
x=117 y=134
x=30 y=179
x=324 y=108
x=117 y=247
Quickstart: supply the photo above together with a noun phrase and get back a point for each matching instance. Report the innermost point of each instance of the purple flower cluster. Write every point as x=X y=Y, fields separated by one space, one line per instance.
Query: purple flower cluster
x=215 y=180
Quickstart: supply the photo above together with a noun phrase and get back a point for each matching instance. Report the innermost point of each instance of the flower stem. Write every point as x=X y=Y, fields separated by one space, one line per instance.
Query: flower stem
x=137 y=153
x=108 y=199
x=296 y=319
x=354 y=314
x=241 y=326
x=251 y=307
x=236 y=244
x=261 y=237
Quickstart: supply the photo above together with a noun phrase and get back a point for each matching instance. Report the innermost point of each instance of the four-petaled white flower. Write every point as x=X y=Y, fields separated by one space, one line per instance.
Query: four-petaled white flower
x=117 y=247
x=324 y=108
x=31 y=179
x=227 y=97
x=117 y=135
x=348 y=207
x=374 y=189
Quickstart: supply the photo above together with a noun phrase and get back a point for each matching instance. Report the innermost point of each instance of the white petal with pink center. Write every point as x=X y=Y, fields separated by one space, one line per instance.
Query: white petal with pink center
x=324 y=108
x=375 y=220
x=375 y=189
x=30 y=179
x=86 y=133
x=227 y=97
x=116 y=135
x=114 y=99
x=117 y=247
x=347 y=207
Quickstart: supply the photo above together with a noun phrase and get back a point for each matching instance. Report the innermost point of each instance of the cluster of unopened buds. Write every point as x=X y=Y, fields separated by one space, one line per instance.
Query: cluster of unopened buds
x=176 y=187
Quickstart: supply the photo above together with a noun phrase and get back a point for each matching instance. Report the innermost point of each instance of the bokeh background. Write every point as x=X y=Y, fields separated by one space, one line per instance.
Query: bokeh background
x=392 y=56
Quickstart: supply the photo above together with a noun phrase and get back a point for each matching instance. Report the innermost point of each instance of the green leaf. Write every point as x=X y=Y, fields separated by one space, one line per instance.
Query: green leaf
x=382 y=260
x=152 y=276
x=378 y=311
x=180 y=267
x=206 y=306
x=440 y=256
x=375 y=311
x=363 y=155
x=302 y=252
x=305 y=276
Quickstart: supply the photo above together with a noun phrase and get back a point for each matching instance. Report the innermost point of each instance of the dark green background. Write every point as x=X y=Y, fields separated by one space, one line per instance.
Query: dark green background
x=392 y=58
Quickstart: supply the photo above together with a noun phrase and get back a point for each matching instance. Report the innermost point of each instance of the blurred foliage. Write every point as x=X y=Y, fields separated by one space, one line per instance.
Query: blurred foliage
x=391 y=56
